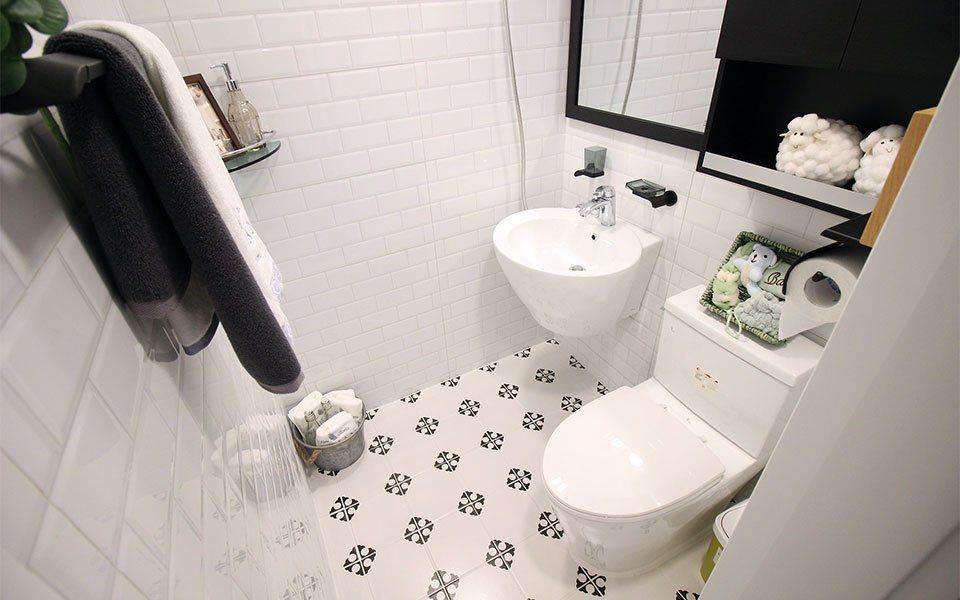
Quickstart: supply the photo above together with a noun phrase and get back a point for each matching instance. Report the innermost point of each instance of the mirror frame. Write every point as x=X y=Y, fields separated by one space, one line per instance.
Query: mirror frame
x=671 y=134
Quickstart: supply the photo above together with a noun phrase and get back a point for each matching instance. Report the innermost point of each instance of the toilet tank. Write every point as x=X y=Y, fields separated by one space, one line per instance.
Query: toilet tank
x=743 y=388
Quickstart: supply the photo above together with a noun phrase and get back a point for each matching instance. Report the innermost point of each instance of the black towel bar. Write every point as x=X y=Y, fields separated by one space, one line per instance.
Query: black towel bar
x=52 y=79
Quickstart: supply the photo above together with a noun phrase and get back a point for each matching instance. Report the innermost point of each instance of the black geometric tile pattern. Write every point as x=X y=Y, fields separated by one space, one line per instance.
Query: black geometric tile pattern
x=291 y=533
x=447 y=461
x=489 y=368
x=545 y=376
x=344 y=508
x=533 y=421
x=452 y=382
x=549 y=526
x=328 y=472
x=427 y=425
x=576 y=363
x=418 y=530
x=411 y=399
x=519 y=479
x=571 y=404
x=381 y=444
x=685 y=595
x=469 y=407
x=360 y=560
x=508 y=390
x=370 y=414
x=588 y=583
x=553 y=341
x=492 y=440
x=602 y=389
x=500 y=554
x=443 y=586
x=471 y=503
x=398 y=484
x=525 y=353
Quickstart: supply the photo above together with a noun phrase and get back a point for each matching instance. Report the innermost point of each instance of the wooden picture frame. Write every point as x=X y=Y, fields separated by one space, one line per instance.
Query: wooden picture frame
x=221 y=133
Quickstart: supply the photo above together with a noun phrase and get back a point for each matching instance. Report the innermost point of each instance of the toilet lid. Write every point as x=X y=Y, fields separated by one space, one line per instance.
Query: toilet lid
x=623 y=455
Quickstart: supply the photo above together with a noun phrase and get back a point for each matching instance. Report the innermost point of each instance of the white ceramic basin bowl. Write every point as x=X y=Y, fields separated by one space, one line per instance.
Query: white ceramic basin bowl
x=575 y=276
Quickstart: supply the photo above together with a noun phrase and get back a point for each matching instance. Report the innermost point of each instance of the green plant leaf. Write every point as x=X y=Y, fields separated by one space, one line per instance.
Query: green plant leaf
x=13 y=72
x=54 y=19
x=20 y=39
x=23 y=11
x=4 y=31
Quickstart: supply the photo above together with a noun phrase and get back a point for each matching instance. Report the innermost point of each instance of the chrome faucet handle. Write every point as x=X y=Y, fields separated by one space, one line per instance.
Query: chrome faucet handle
x=604 y=192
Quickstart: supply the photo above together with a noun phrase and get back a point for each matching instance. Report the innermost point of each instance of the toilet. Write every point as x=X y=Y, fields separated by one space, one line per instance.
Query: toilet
x=638 y=475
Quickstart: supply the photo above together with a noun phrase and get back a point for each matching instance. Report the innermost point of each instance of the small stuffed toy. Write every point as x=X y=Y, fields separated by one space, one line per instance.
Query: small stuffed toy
x=824 y=150
x=881 y=148
x=752 y=267
x=726 y=287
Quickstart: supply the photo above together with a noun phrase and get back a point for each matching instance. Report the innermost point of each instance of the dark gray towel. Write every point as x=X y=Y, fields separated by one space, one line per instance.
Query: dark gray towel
x=153 y=215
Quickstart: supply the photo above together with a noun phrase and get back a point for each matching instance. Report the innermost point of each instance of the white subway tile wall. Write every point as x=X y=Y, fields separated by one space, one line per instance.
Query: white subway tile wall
x=399 y=156
x=127 y=471
x=697 y=232
x=675 y=66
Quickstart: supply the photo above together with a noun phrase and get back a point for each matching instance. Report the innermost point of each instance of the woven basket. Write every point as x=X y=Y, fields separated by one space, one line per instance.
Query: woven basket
x=785 y=253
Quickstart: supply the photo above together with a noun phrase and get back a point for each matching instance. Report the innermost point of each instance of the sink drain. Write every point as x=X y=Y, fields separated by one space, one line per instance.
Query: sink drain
x=578 y=268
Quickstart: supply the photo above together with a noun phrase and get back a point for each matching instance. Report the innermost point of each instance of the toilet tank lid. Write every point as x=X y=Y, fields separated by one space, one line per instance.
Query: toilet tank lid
x=791 y=363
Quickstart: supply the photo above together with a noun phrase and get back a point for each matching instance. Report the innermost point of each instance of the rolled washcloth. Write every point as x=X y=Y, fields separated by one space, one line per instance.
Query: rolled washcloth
x=336 y=428
x=346 y=401
x=297 y=414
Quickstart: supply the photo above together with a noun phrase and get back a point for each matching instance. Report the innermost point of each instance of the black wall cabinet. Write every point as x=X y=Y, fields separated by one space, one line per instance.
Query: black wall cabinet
x=868 y=62
x=918 y=39
x=806 y=33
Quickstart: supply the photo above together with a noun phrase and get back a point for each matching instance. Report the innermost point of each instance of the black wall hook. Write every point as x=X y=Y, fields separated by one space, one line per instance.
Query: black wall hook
x=53 y=79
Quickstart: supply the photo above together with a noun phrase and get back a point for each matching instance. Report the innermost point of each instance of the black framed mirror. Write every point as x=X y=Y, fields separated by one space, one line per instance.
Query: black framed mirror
x=645 y=70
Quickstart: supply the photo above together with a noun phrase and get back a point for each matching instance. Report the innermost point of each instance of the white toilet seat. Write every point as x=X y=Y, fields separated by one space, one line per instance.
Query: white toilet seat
x=624 y=457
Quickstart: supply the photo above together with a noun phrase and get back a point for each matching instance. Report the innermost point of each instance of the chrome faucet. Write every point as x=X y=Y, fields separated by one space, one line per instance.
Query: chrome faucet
x=603 y=203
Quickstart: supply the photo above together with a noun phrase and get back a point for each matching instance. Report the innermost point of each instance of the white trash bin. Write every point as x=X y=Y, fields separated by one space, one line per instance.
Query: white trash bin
x=723 y=527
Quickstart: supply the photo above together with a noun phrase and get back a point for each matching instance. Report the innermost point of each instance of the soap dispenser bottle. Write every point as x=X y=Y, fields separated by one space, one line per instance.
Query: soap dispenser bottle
x=241 y=114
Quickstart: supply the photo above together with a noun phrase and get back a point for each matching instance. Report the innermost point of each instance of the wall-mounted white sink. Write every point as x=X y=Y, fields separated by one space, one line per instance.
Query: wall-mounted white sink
x=577 y=277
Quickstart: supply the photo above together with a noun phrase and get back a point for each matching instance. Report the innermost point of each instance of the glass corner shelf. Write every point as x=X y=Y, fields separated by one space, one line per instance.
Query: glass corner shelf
x=252 y=157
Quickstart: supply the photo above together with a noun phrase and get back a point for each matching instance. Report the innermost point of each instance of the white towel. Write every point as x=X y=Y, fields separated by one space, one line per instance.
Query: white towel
x=297 y=413
x=336 y=428
x=346 y=401
x=167 y=83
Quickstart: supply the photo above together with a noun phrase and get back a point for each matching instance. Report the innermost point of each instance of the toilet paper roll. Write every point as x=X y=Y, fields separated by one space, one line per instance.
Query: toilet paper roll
x=819 y=288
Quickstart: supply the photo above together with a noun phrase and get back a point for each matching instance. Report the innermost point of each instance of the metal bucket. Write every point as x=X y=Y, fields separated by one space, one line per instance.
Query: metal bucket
x=332 y=457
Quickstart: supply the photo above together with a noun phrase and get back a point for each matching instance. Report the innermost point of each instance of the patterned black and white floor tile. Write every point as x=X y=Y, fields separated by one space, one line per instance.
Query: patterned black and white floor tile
x=448 y=503
x=418 y=530
x=443 y=586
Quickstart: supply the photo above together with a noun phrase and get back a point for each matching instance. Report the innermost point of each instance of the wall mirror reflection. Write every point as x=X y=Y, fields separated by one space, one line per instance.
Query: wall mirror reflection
x=645 y=66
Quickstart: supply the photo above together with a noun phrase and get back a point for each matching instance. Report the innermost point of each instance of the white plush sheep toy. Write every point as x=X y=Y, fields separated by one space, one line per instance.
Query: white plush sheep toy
x=824 y=150
x=880 y=149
